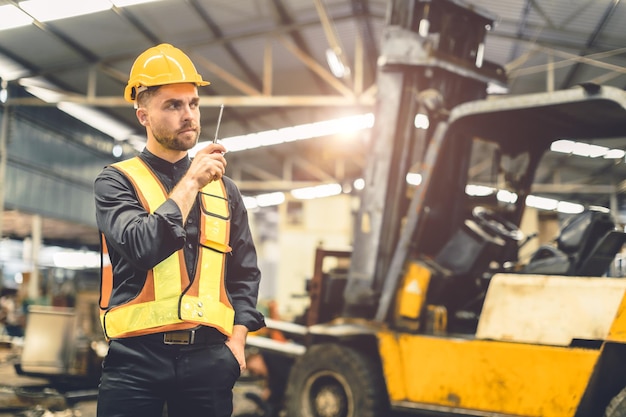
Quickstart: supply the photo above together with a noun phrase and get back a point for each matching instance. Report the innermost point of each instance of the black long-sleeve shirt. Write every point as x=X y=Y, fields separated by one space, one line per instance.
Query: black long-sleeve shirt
x=138 y=240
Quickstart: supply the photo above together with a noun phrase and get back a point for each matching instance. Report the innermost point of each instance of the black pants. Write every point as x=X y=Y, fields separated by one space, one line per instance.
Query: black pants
x=142 y=374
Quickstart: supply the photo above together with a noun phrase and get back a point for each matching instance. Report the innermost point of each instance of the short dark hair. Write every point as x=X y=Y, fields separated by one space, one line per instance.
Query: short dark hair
x=144 y=97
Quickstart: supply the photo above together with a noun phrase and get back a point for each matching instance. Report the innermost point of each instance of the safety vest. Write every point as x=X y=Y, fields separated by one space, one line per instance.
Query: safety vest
x=169 y=300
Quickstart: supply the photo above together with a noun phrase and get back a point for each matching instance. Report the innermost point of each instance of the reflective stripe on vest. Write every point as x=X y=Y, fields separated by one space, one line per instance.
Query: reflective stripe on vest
x=169 y=300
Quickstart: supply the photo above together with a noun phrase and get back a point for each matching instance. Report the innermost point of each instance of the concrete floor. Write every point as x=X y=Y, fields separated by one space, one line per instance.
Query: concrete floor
x=29 y=397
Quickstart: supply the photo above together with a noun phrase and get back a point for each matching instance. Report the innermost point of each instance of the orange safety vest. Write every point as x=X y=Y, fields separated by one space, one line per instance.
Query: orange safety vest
x=169 y=300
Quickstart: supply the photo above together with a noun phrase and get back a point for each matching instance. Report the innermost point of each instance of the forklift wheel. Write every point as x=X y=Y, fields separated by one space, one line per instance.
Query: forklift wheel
x=617 y=406
x=331 y=380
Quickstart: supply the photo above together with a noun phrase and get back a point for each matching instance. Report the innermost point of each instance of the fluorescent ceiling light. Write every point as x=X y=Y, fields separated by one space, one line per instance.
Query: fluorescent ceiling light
x=124 y=3
x=318 y=191
x=49 y=10
x=335 y=64
x=46 y=10
x=263 y=200
x=359 y=184
x=328 y=190
x=480 y=55
x=413 y=178
x=479 y=190
x=270 y=199
x=615 y=154
x=569 y=208
x=250 y=202
x=586 y=149
x=44 y=90
x=421 y=121
x=76 y=259
x=423 y=28
x=506 y=196
x=563 y=146
x=13 y=17
x=4 y=93
x=541 y=202
x=344 y=125
x=591 y=151
x=97 y=120
x=41 y=88
x=9 y=69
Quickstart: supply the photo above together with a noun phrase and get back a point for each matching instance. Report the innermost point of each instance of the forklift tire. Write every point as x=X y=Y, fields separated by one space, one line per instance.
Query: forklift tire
x=617 y=406
x=331 y=380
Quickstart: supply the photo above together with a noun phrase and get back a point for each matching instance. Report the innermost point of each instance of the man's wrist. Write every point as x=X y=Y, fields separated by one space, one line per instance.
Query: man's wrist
x=240 y=332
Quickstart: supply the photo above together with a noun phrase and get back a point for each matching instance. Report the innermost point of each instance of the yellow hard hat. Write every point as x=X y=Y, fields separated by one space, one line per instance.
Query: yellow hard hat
x=160 y=65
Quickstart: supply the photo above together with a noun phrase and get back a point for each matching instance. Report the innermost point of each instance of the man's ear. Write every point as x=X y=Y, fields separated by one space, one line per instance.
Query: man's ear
x=142 y=116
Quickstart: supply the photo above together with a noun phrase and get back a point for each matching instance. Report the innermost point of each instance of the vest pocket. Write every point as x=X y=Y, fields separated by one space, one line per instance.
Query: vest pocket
x=215 y=223
x=214 y=205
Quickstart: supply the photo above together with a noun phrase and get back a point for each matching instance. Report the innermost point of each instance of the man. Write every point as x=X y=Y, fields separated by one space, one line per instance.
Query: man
x=180 y=295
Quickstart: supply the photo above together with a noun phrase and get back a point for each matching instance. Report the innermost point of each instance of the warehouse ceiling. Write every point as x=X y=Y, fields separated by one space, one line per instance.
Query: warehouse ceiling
x=266 y=60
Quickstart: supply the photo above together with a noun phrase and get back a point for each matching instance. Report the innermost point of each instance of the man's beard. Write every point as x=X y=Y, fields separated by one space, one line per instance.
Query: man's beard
x=171 y=141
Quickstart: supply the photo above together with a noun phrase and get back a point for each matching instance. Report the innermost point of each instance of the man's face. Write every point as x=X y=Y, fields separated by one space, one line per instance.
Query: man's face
x=172 y=115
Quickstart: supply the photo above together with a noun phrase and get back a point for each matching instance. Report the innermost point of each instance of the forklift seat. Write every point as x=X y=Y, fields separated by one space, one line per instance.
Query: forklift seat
x=600 y=258
x=586 y=245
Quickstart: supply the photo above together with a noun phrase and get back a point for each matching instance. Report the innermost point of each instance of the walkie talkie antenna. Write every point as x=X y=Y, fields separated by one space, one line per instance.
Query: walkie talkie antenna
x=219 y=120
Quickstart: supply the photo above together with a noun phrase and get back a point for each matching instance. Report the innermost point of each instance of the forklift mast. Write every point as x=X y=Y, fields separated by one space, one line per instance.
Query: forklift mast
x=432 y=59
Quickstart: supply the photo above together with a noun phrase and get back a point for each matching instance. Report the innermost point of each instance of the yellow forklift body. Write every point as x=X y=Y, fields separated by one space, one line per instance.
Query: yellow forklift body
x=523 y=359
x=413 y=291
x=502 y=377
x=618 y=328
x=551 y=310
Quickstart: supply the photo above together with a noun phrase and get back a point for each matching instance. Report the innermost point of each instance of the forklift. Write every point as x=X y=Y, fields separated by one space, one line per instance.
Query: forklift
x=437 y=313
